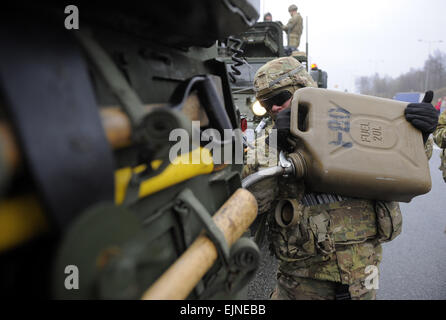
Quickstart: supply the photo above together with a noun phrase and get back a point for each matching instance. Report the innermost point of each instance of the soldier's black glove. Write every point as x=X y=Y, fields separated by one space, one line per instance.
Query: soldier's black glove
x=282 y=125
x=423 y=116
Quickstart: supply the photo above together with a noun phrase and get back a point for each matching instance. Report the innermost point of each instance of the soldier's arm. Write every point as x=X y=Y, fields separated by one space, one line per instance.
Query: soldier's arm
x=249 y=169
x=299 y=22
x=440 y=132
x=289 y=25
x=428 y=147
x=389 y=220
x=264 y=191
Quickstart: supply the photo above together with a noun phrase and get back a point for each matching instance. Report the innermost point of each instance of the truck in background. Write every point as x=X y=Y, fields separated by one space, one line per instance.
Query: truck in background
x=244 y=54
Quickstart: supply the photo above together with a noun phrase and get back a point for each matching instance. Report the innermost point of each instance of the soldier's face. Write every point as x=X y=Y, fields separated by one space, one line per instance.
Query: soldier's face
x=277 y=102
x=277 y=108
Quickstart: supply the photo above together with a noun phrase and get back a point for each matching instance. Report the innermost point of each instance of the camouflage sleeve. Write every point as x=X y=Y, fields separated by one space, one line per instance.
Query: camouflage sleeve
x=389 y=220
x=289 y=25
x=259 y=158
x=252 y=161
x=428 y=147
x=249 y=169
x=265 y=193
x=299 y=22
x=260 y=155
x=440 y=132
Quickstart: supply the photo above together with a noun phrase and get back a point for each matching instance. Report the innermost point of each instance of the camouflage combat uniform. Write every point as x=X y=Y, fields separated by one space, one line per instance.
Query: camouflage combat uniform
x=440 y=140
x=266 y=190
x=429 y=147
x=294 y=29
x=332 y=243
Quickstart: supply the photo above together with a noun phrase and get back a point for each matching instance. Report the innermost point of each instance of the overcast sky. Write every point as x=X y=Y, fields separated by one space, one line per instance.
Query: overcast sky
x=352 y=38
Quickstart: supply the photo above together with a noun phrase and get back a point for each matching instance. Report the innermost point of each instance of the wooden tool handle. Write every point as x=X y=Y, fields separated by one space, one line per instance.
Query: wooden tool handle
x=233 y=218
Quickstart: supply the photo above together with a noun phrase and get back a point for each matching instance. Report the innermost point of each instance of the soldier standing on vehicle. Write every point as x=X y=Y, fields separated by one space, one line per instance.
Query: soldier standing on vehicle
x=267 y=17
x=335 y=247
x=294 y=28
x=440 y=140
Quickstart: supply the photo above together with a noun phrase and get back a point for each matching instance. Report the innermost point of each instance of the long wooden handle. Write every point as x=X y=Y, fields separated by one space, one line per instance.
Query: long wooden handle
x=116 y=126
x=233 y=218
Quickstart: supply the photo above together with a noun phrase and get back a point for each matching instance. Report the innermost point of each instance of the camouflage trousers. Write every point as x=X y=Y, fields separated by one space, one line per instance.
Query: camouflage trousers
x=298 y=288
x=321 y=277
x=294 y=40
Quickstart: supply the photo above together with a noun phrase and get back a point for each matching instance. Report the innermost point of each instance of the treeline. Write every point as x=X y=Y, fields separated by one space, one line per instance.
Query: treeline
x=432 y=76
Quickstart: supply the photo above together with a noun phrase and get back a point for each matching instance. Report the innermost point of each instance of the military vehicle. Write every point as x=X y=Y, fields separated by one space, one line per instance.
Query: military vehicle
x=245 y=53
x=92 y=207
x=414 y=97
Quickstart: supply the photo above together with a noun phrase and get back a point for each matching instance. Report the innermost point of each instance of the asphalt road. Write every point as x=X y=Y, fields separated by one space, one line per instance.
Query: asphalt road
x=414 y=264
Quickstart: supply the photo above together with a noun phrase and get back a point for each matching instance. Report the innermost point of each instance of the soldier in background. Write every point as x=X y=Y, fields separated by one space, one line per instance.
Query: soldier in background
x=429 y=147
x=321 y=257
x=440 y=140
x=267 y=17
x=294 y=28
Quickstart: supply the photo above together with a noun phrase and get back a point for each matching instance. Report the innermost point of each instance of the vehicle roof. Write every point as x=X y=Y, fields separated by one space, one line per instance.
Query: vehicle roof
x=409 y=96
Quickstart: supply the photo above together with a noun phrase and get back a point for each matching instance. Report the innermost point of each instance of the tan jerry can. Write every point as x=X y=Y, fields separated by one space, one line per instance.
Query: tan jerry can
x=359 y=146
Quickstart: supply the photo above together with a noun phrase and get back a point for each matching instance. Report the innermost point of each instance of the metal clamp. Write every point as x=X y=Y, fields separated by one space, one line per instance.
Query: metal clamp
x=213 y=232
x=209 y=99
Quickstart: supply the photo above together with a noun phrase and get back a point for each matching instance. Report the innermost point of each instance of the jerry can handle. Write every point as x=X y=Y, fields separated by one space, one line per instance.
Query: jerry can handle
x=300 y=115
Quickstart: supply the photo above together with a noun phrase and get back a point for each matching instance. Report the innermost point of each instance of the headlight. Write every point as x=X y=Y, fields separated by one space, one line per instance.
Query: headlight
x=258 y=109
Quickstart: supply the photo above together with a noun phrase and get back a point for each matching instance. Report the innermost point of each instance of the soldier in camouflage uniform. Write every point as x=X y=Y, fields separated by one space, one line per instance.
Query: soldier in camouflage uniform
x=267 y=17
x=266 y=190
x=429 y=147
x=326 y=253
x=294 y=27
x=440 y=140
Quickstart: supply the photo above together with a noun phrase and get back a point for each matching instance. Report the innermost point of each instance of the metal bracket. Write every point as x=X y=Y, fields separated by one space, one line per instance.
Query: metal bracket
x=128 y=98
x=213 y=232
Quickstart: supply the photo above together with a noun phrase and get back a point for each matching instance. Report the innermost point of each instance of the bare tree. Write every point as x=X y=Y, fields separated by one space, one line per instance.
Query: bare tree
x=432 y=76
